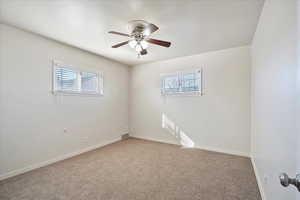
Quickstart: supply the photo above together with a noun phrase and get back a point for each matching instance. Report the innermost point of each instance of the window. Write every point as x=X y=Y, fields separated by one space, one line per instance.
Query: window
x=69 y=80
x=66 y=80
x=89 y=82
x=181 y=83
x=170 y=83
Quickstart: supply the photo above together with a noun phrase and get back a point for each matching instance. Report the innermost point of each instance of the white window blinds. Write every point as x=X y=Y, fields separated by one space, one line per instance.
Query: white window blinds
x=181 y=83
x=69 y=80
x=190 y=82
x=66 y=79
x=89 y=82
x=170 y=83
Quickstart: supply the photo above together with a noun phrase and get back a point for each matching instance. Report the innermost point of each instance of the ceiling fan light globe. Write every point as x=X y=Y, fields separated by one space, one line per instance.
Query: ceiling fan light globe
x=132 y=43
x=138 y=48
x=144 y=44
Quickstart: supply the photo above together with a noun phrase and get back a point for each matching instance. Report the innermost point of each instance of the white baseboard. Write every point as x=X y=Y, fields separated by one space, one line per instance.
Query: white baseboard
x=226 y=151
x=69 y=155
x=258 y=179
x=154 y=140
x=236 y=153
x=54 y=160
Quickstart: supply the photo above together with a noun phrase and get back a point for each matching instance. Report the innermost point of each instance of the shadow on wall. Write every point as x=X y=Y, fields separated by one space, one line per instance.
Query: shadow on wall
x=176 y=131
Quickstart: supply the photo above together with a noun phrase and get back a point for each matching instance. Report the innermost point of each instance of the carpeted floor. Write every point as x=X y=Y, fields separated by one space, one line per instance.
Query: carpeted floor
x=138 y=169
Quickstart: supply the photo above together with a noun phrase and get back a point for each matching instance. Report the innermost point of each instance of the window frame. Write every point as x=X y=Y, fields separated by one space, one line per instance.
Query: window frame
x=180 y=79
x=56 y=91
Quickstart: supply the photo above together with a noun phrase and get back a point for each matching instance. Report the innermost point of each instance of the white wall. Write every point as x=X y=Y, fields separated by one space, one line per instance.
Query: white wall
x=32 y=119
x=274 y=90
x=298 y=80
x=219 y=120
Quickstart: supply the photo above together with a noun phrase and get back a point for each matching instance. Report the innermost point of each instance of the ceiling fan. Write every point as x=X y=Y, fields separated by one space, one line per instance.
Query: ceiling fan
x=139 y=36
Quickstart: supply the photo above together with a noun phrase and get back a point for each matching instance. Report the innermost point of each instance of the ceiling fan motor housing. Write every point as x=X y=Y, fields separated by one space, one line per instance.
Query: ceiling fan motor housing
x=139 y=28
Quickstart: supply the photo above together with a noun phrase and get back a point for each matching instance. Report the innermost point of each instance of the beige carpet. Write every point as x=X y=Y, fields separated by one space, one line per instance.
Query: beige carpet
x=138 y=169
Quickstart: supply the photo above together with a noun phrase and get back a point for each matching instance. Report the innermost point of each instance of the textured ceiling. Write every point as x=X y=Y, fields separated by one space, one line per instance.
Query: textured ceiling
x=193 y=26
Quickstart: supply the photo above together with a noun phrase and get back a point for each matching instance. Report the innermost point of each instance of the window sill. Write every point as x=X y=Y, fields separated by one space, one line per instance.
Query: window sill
x=182 y=94
x=70 y=93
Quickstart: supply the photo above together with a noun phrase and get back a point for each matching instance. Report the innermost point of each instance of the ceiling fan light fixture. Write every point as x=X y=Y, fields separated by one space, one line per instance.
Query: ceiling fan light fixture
x=132 y=43
x=138 y=48
x=144 y=44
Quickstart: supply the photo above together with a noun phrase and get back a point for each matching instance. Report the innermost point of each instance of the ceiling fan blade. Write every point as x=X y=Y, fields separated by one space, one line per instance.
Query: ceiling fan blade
x=120 y=44
x=118 y=33
x=159 y=42
x=144 y=52
x=153 y=28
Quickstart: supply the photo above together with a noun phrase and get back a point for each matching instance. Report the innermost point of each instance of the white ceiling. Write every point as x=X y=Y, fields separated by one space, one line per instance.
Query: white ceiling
x=193 y=26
